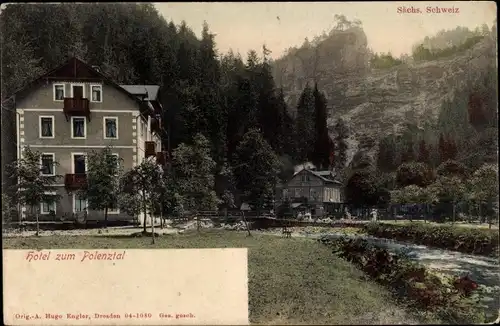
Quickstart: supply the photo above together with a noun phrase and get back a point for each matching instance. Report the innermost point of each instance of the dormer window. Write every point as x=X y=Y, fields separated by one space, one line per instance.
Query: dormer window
x=59 y=92
x=96 y=93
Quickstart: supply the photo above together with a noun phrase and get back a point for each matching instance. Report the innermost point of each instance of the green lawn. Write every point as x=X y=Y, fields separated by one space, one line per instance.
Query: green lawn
x=291 y=281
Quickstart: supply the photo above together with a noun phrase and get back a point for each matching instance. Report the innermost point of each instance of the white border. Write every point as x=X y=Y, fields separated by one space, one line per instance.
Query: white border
x=53 y=164
x=91 y=92
x=84 y=127
x=104 y=127
x=54 y=91
x=40 y=126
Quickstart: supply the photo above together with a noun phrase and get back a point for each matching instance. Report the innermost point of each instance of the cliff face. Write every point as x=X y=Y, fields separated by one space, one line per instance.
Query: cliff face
x=375 y=102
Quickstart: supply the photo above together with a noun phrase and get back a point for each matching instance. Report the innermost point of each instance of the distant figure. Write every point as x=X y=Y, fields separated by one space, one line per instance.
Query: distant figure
x=374 y=215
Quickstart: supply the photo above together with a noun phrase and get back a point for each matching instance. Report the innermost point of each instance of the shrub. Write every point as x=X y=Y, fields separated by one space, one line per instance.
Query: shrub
x=467 y=240
x=452 y=299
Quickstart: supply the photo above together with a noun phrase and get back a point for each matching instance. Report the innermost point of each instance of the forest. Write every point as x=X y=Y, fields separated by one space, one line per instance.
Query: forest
x=236 y=105
x=203 y=92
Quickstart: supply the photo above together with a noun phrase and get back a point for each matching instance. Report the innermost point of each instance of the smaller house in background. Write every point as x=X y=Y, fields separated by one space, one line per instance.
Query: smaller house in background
x=311 y=191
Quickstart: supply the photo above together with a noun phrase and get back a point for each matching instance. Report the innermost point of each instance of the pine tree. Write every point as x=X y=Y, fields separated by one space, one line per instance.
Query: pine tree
x=386 y=158
x=341 y=135
x=423 y=153
x=408 y=154
x=322 y=145
x=305 y=124
x=442 y=149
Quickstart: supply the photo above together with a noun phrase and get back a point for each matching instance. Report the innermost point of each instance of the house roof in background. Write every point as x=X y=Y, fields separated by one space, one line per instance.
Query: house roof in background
x=326 y=176
x=150 y=91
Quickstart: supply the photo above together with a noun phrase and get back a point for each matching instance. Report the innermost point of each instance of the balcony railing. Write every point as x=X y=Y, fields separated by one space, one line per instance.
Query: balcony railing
x=76 y=106
x=75 y=180
x=150 y=148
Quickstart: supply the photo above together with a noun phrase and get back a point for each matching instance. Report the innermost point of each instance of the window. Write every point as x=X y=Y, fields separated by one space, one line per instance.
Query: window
x=79 y=163
x=110 y=127
x=47 y=164
x=79 y=204
x=59 y=92
x=77 y=91
x=298 y=192
x=142 y=126
x=313 y=194
x=96 y=93
x=78 y=127
x=285 y=194
x=46 y=126
x=47 y=207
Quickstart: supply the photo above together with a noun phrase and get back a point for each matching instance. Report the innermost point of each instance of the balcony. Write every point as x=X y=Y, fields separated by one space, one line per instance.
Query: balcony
x=150 y=148
x=76 y=106
x=75 y=181
x=161 y=158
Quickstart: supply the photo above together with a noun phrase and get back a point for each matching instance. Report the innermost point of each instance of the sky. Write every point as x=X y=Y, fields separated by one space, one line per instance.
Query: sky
x=243 y=26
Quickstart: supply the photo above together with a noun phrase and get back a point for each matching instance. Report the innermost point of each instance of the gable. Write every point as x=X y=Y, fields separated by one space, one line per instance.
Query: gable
x=75 y=70
x=298 y=177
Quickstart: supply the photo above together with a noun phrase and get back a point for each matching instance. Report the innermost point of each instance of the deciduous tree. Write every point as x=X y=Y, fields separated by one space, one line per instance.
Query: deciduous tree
x=145 y=181
x=34 y=186
x=194 y=170
x=256 y=169
x=103 y=181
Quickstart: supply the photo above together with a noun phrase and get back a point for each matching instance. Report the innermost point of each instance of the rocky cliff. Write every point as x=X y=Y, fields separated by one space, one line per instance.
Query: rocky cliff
x=375 y=102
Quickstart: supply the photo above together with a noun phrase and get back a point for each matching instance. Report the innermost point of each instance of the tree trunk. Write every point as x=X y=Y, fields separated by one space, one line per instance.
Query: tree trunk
x=490 y=217
x=37 y=222
x=144 y=209
x=152 y=229
x=453 y=213
x=161 y=217
x=469 y=212
x=198 y=222
x=106 y=218
x=246 y=223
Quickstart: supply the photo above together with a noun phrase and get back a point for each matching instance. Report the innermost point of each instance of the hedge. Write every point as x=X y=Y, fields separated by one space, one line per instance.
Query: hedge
x=467 y=240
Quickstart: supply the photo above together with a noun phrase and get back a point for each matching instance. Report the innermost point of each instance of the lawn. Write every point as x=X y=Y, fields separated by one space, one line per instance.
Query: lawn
x=291 y=281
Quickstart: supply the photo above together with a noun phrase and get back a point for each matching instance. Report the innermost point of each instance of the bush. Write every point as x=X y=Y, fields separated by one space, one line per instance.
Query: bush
x=454 y=300
x=466 y=240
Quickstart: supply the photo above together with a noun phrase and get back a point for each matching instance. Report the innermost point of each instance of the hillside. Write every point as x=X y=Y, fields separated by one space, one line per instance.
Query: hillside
x=375 y=102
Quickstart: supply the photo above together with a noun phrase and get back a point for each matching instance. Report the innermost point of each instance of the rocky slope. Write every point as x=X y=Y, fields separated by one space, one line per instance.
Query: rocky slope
x=375 y=102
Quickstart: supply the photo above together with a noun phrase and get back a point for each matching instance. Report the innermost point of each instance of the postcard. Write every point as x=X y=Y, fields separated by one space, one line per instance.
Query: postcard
x=206 y=163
